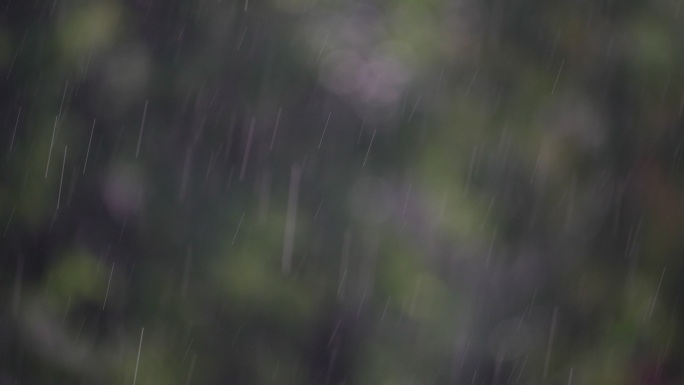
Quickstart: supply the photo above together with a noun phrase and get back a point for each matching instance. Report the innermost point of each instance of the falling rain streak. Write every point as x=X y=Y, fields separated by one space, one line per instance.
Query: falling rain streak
x=61 y=179
x=275 y=129
x=142 y=127
x=369 y=148
x=85 y=163
x=655 y=296
x=238 y=228
x=9 y=221
x=324 y=129
x=192 y=368
x=16 y=54
x=290 y=221
x=109 y=282
x=14 y=132
x=137 y=360
x=245 y=157
x=552 y=333
x=52 y=142
x=555 y=82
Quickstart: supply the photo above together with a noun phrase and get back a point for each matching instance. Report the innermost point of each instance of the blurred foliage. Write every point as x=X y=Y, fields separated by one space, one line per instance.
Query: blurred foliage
x=328 y=192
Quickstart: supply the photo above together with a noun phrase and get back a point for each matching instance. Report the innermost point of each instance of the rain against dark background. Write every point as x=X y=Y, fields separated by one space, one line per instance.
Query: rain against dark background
x=341 y=192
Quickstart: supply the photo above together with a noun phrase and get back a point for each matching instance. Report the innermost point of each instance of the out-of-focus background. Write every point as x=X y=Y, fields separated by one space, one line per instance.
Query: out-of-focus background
x=341 y=192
